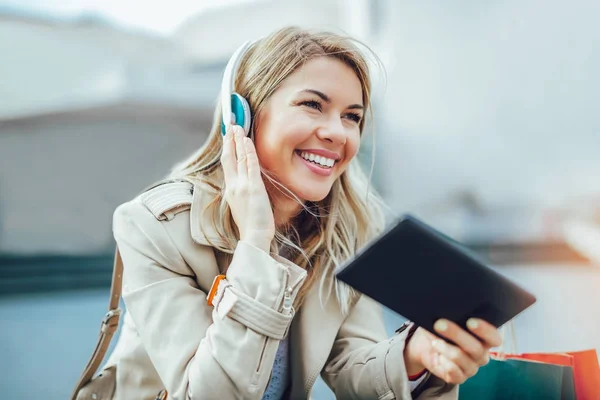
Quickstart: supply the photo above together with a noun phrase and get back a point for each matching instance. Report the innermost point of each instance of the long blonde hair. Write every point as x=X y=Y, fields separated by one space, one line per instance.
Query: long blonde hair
x=325 y=233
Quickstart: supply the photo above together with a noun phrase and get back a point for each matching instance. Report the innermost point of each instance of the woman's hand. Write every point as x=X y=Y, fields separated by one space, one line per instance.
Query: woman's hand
x=451 y=363
x=245 y=190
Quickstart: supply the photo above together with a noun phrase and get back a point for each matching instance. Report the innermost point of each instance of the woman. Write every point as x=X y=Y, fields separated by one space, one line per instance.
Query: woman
x=273 y=215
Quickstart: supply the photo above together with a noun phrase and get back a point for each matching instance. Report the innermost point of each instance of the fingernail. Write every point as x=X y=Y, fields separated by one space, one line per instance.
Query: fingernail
x=435 y=344
x=440 y=325
x=472 y=323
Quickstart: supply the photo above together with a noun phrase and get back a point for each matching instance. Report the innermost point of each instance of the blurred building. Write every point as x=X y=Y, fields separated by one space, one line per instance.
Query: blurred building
x=88 y=115
x=478 y=115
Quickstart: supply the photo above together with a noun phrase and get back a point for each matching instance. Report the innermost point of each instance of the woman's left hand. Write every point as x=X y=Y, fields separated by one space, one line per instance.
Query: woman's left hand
x=452 y=363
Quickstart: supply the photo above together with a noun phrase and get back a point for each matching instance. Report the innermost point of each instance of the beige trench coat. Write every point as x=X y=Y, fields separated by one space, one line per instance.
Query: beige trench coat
x=172 y=339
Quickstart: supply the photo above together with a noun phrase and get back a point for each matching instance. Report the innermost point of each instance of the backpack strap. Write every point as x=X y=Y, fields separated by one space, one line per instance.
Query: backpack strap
x=108 y=327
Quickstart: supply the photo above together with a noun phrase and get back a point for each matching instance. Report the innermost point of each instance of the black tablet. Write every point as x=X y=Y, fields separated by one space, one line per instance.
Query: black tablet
x=424 y=275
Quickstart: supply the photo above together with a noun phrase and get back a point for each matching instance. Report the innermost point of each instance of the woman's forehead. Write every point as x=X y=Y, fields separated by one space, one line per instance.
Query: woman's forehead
x=327 y=75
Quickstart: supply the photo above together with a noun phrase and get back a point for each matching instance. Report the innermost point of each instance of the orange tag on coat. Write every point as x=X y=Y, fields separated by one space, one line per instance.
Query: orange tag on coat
x=213 y=289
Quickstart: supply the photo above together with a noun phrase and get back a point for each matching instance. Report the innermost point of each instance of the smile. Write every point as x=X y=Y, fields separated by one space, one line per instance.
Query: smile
x=321 y=161
x=322 y=166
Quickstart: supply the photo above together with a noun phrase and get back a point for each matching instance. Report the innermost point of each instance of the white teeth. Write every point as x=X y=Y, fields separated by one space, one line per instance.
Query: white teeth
x=323 y=161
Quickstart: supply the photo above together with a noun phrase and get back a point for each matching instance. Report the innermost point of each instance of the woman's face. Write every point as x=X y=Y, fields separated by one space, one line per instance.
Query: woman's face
x=309 y=129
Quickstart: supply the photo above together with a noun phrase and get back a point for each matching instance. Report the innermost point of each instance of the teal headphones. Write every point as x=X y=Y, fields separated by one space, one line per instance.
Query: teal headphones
x=235 y=108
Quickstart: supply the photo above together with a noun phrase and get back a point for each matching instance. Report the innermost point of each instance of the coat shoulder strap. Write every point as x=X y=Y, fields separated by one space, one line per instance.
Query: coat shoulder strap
x=168 y=198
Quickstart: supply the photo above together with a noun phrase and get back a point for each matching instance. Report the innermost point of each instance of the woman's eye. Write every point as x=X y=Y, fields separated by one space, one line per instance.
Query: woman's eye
x=354 y=117
x=312 y=104
x=318 y=106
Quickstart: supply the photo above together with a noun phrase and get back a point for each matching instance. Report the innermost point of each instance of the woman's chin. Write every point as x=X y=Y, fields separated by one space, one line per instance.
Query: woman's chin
x=304 y=189
x=313 y=194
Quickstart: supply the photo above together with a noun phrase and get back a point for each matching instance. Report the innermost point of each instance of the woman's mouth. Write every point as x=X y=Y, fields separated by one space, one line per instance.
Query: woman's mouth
x=321 y=161
x=318 y=164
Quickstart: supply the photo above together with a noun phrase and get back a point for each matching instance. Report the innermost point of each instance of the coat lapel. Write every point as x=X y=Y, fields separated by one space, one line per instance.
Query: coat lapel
x=312 y=334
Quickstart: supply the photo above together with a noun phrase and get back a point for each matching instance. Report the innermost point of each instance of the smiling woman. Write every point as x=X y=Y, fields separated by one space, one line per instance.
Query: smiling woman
x=308 y=133
x=229 y=266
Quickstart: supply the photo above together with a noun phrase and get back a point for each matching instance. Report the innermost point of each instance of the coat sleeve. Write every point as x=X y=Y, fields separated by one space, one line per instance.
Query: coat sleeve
x=197 y=352
x=364 y=364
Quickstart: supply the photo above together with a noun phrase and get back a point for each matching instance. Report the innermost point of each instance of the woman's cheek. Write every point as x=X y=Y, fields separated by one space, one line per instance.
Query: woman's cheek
x=352 y=147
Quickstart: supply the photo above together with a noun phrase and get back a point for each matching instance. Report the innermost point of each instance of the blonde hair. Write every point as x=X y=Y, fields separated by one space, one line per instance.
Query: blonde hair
x=328 y=232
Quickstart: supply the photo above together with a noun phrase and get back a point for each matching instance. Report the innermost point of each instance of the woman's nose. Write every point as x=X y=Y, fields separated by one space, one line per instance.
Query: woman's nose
x=333 y=132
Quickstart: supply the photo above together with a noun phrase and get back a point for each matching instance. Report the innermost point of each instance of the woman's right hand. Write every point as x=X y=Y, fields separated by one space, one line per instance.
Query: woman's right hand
x=453 y=363
x=245 y=190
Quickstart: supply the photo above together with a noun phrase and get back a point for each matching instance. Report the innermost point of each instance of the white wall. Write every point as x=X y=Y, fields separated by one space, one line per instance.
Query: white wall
x=498 y=97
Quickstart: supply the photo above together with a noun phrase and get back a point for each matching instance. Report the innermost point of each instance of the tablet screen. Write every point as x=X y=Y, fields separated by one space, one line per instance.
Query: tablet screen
x=424 y=275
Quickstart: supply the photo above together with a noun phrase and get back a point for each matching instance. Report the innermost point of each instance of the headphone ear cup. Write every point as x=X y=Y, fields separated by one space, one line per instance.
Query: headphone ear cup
x=241 y=109
x=241 y=114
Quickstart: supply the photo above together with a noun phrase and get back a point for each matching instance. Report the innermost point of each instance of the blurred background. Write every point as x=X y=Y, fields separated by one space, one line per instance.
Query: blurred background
x=487 y=126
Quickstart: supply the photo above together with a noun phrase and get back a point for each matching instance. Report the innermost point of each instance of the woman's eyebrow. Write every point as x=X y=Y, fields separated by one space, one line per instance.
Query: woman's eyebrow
x=326 y=98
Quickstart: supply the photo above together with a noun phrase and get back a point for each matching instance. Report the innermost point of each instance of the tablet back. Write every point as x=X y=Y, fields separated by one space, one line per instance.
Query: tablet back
x=423 y=275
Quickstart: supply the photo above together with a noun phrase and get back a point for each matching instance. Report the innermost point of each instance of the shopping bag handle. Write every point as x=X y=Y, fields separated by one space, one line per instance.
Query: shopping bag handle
x=510 y=327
